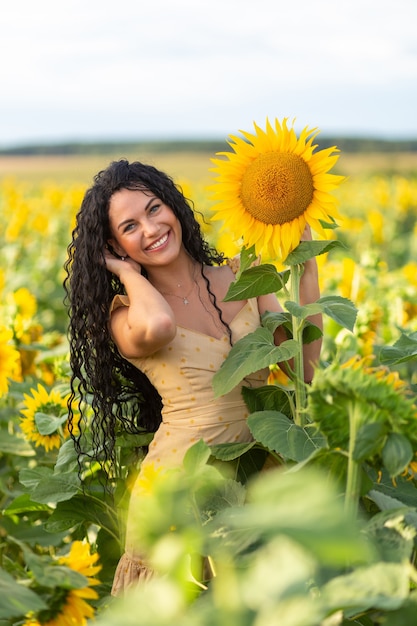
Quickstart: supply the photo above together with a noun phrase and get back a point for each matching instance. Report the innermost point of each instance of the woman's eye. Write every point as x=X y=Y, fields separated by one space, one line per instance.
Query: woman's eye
x=128 y=227
x=154 y=208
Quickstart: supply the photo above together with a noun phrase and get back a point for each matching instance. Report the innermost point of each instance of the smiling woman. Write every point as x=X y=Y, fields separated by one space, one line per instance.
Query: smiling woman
x=149 y=328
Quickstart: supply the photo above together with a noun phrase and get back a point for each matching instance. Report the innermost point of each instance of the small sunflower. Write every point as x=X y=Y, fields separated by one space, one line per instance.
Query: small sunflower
x=9 y=359
x=149 y=475
x=69 y=607
x=44 y=403
x=272 y=185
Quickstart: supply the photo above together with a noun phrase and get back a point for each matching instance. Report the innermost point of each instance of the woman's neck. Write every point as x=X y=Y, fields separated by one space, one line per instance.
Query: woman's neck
x=178 y=276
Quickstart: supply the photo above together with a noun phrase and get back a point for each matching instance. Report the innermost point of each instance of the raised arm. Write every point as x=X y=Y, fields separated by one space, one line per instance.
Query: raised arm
x=148 y=323
x=309 y=293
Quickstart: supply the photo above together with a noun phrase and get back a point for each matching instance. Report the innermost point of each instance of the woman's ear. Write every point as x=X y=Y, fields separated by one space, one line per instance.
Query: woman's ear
x=115 y=248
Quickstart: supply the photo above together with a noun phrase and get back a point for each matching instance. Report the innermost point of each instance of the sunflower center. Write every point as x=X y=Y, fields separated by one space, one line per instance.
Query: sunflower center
x=277 y=187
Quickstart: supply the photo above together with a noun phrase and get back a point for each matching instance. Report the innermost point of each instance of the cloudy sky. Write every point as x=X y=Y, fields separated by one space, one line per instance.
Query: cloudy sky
x=162 y=69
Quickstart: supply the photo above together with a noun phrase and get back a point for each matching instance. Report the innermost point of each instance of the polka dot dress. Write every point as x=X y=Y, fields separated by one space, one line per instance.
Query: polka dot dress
x=182 y=372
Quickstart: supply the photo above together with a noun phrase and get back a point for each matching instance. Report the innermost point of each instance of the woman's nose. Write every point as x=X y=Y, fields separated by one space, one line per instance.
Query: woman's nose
x=150 y=228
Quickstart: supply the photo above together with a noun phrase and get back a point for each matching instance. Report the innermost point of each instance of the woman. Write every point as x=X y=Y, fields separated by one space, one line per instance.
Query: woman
x=149 y=326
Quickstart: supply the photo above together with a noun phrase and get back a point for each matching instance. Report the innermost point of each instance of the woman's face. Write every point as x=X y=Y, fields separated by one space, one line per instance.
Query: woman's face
x=144 y=228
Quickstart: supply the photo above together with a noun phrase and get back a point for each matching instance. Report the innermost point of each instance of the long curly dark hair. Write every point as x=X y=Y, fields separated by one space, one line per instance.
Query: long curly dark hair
x=119 y=397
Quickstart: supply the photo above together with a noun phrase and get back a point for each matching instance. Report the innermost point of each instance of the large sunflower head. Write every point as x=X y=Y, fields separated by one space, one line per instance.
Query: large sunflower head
x=272 y=185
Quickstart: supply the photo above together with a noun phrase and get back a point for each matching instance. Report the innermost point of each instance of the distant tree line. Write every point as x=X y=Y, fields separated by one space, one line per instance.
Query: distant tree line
x=346 y=144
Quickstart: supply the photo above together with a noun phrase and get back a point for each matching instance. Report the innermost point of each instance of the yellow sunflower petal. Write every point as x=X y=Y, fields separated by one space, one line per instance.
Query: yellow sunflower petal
x=272 y=185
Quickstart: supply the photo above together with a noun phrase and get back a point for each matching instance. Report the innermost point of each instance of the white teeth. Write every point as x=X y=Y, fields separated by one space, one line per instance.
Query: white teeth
x=158 y=243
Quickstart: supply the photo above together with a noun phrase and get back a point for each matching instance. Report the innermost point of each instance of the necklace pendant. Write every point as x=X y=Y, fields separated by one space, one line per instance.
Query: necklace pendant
x=185 y=301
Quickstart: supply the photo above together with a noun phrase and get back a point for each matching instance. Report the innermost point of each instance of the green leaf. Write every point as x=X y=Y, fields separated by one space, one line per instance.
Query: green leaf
x=16 y=599
x=393 y=534
x=247 y=257
x=253 y=352
x=230 y=451
x=196 y=456
x=378 y=586
x=54 y=575
x=397 y=453
x=267 y=397
x=404 y=349
x=67 y=458
x=369 y=440
x=24 y=504
x=82 y=509
x=30 y=478
x=46 y=487
x=341 y=310
x=272 y=321
x=301 y=312
x=14 y=444
x=276 y=432
x=48 y=424
x=308 y=249
x=404 y=489
x=257 y=281
x=306 y=507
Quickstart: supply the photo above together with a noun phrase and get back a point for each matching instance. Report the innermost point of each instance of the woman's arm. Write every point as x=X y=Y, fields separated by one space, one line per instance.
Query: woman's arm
x=148 y=323
x=309 y=293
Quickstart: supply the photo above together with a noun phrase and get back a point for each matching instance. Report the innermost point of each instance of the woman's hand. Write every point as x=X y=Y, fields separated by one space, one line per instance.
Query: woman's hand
x=117 y=264
x=306 y=236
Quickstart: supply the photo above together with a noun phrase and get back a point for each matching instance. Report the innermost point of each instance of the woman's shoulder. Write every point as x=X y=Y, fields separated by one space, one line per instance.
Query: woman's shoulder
x=119 y=301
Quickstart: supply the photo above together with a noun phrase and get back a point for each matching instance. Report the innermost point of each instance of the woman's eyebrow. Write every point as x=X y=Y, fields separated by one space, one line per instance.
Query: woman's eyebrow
x=130 y=219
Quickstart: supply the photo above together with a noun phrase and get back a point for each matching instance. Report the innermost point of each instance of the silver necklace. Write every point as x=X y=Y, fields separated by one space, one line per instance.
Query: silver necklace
x=184 y=299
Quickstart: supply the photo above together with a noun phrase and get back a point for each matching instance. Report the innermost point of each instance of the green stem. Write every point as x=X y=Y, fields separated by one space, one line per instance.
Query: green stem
x=353 y=482
x=297 y=329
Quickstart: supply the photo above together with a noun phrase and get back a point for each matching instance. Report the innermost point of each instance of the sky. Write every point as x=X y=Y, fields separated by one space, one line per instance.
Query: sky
x=101 y=70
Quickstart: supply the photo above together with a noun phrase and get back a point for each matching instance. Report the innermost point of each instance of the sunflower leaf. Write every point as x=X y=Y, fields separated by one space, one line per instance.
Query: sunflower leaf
x=301 y=312
x=48 y=424
x=16 y=599
x=257 y=281
x=247 y=257
x=253 y=352
x=278 y=433
x=271 y=321
x=341 y=310
x=308 y=249
x=369 y=440
x=48 y=488
x=397 y=453
x=52 y=575
x=404 y=349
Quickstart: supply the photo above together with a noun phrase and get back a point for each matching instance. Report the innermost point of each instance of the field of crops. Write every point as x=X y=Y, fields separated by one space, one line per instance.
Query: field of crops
x=61 y=534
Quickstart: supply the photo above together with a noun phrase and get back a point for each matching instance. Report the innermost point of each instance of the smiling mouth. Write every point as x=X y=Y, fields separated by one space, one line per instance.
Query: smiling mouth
x=159 y=243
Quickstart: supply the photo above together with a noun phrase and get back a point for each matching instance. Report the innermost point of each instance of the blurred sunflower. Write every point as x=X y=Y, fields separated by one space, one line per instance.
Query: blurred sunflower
x=368 y=410
x=44 y=416
x=9 y=359
x=148 y=477
x=68 y=607
x=272 y=185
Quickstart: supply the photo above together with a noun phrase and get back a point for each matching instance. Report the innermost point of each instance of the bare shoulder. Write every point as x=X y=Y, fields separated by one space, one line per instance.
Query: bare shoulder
x=220 y=277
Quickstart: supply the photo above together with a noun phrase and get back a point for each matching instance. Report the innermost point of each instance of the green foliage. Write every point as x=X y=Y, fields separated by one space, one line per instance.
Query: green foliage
x=326 y=537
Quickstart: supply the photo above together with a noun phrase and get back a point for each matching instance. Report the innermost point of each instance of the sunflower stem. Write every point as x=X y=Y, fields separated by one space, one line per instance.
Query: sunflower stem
x=297 y=329
x=353 y=482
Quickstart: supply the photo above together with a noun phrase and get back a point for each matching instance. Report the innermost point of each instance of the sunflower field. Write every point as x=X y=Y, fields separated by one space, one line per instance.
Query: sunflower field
x=327 y=535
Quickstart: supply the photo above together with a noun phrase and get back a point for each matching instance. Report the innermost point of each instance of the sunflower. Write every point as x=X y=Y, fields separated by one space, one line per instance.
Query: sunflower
x=69 y=607
x=356 y=397
x=9 y=359
x=272 y=185
x=51 y=404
